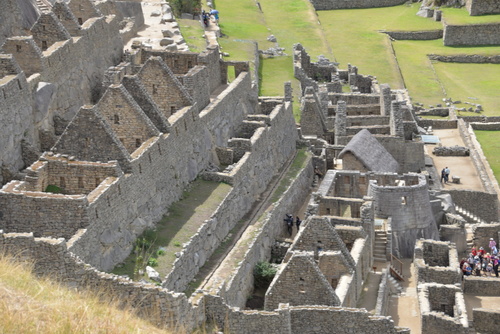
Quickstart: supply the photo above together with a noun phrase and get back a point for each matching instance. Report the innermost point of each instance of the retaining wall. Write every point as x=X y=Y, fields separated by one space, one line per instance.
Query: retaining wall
x=482 y=286
x=352 y=4
x=415 y=35
x=471 y=35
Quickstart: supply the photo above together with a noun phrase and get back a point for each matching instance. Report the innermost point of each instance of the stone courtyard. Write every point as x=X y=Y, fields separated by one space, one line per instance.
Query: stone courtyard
x=104 y=128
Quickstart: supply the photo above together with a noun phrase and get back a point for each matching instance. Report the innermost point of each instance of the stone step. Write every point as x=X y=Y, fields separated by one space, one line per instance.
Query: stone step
x=379 y=258
x=379 y=247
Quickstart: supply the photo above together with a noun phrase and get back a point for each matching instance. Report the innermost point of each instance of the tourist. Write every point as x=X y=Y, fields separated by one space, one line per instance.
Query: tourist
x=298 y=222
x=477 y=269
x=473 y=251
x=492 y=244
x=494 y=250
x=289 y=223
x=443 y=175
x=495 y=265
x=318 y=173
x=467 y=269
x=446 y=174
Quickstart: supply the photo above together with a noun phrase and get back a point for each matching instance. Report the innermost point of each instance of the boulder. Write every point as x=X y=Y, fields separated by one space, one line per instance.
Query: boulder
x=171 y=47
x=153 y=274
x=167 y=17
x=167 y=33
x=166 y=41
x=156 y=13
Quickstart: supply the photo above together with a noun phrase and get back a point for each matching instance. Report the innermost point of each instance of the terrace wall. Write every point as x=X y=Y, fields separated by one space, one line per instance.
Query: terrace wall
x=471 y=35
x=351 y=4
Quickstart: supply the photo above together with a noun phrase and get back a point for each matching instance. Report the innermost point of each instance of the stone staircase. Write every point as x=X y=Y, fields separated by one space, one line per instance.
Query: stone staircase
x=380 y=247
x=43 y=5
x=395 y=284
x=468 y=215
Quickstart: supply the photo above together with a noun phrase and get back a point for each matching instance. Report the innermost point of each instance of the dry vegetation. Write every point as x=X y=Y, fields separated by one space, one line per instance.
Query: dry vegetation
x=32 y=305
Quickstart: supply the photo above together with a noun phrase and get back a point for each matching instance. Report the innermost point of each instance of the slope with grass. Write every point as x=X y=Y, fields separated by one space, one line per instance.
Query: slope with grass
x=490 y=144
x=33 y=305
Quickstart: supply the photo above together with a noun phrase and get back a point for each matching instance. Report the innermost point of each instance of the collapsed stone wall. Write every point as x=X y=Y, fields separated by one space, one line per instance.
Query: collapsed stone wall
x=352 y=4
x=51 y=258
x=482 y=7
x=471 y=35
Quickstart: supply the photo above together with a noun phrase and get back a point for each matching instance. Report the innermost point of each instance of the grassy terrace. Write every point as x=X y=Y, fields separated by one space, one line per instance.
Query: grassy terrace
x=183 y=220
x=458 y=16
x=490 y=143
x=193 y=34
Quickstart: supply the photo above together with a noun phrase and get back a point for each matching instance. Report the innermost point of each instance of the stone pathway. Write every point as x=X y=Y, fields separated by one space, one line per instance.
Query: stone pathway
x=404 y=309
x=460 y=166
x=152 y=34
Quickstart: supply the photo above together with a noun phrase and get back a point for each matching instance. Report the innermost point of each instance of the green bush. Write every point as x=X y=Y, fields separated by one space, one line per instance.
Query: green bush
x=263 y=274
x=185 y=6
x=152 y=262
x=53 y=189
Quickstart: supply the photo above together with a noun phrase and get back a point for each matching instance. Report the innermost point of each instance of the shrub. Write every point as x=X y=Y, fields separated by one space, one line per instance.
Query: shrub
x=263 y=274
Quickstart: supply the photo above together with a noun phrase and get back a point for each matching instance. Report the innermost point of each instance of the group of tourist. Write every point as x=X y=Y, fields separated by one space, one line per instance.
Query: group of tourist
x=207 y=17
x=289 y=223
x=480 y=262
x=445 y=175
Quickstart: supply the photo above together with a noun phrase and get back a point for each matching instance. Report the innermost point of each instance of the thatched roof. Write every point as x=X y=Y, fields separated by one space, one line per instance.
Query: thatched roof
x=367 y=149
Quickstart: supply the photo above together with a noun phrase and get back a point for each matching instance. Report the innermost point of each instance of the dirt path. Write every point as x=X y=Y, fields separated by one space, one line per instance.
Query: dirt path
x=404 y=309
x=460 y=166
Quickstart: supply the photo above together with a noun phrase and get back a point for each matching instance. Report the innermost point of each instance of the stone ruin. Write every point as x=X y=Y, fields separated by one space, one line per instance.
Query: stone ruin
x=122 y=145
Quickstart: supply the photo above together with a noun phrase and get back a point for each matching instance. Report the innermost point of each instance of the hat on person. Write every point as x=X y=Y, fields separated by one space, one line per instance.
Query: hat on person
x=491 y=238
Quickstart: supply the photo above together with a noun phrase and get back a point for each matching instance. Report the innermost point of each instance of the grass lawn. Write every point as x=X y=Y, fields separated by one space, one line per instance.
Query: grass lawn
x=181 y=223
x=193 y=32
x=428 y=82
x=490 y=143
x=355 y=38
x=461 y=16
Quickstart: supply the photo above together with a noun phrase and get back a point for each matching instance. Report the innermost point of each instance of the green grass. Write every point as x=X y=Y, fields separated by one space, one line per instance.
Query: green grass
x=490 y=143
x=192 y=31
x=297 y=165
x=182 y=222
x=355 y=38
x=428 y=82
x=458 y=16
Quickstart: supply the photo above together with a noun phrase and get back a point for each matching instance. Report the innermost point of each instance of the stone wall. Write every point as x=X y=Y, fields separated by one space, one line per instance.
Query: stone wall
x=481 y=286
x=264 y=161
x=464 y=58
x=409 y=207
x=352 y=4
x=471 y=35
x=259 y=249
x=51 y=258
x=383 y=295
x=483 y=233
x=436 y=261
x=298 y=319
x=409 y=154
x=480 y=204
x=17 y=116
x=482 y=7
x=438 y=123
x=416 y=35
x=486 y=175
x=486 y=320
x=442 y=306
x=490 y=126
